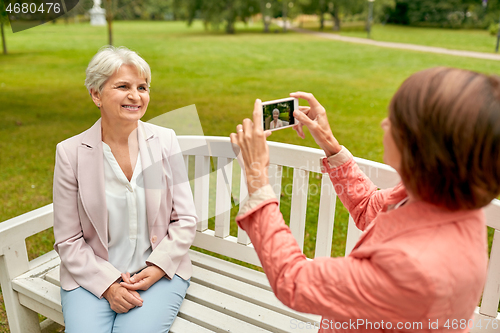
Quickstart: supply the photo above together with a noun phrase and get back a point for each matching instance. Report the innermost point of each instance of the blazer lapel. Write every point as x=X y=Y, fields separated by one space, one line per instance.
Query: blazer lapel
x=152 y=171
x=91 y=181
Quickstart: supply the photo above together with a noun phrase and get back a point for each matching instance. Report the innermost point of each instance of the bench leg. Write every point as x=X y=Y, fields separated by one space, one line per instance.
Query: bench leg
x=13 y=262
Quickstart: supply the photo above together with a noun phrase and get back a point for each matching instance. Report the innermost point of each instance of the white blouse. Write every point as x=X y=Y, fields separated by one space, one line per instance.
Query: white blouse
x=128 y=234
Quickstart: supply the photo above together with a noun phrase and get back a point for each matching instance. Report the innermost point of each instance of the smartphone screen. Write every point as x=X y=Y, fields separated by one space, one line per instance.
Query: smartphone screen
x=278 y=114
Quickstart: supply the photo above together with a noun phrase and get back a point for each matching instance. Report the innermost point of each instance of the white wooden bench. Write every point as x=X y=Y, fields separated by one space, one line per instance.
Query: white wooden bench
x=223 y=297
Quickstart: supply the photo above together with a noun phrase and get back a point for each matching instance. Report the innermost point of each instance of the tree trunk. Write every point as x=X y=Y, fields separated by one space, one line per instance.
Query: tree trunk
x=230 y=25
x=263 y=11
x=336 y=18
x=230 y=18
x=3 y=39
x=285 y=9
x=109 y=19
x=321 y=14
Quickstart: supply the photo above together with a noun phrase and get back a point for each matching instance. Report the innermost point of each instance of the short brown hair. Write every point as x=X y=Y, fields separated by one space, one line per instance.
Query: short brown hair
x=446 y=124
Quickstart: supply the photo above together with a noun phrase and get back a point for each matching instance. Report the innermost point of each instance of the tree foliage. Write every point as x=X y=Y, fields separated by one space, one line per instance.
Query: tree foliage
x=215 y=13
x=4 y=21
x=3 y=14
x=445 y=13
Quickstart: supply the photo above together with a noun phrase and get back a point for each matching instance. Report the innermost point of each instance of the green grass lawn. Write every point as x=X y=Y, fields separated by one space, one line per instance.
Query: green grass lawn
x=44 y=100
x=469 y=40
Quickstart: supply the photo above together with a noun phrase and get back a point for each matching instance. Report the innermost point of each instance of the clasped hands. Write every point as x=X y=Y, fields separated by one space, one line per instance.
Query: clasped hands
x=250 y=138
x=123 y=296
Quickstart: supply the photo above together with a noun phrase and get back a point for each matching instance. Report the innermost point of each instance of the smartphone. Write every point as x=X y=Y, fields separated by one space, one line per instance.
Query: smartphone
x=278 y=114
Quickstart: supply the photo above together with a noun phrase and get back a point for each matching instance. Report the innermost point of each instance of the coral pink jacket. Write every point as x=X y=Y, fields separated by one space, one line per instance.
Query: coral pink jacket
x=80 y=213
x=413 y=269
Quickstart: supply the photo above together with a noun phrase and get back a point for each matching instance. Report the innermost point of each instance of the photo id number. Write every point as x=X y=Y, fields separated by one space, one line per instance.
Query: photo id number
x=471 y=323
x=25 y=8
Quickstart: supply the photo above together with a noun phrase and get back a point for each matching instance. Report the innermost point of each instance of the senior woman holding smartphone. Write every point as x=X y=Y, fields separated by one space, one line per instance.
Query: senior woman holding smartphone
x=122 y=205
x=421 y=261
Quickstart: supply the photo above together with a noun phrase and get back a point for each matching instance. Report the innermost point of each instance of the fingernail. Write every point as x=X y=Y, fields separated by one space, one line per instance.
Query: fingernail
x=258 y=100
x=295 y=113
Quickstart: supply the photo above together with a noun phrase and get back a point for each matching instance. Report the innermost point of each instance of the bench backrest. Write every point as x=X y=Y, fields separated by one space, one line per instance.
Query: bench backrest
x=303 y=161
x=198 y=152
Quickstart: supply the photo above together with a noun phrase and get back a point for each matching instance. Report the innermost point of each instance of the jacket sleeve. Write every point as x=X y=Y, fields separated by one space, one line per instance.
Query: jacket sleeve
x=356 y=191
x=182 y=228
x=385 y=286
x=76 y=255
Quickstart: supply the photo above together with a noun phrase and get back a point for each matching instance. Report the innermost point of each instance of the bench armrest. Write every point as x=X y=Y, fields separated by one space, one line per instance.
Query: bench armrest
x=20 y=227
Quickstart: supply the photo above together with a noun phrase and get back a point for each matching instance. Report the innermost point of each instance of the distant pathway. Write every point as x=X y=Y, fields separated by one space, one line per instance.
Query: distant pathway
x=402 y=46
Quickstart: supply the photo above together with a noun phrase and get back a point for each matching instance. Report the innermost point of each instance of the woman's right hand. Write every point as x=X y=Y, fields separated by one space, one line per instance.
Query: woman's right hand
x=121 y=299
x=315 y=119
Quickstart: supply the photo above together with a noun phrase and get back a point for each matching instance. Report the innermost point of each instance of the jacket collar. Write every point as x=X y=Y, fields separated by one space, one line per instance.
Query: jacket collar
x=93 y=136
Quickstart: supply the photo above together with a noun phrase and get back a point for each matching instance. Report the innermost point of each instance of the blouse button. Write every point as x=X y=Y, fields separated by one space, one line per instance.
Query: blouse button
x=153 y=239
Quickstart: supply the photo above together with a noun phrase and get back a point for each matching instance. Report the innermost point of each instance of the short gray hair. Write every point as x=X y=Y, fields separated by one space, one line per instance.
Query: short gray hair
x=276 y=110
x=108 y=61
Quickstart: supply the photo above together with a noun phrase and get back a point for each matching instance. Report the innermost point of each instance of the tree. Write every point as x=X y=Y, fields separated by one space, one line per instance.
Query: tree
x=335 y=8
x=216 y=12
x=109 y=18
x=264 y=11
x=319 y=7
x=443 y=13
x=4 y=19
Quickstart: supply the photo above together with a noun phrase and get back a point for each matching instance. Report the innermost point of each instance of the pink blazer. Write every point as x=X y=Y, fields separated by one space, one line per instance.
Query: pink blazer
x=80 y=213
x=417 y=268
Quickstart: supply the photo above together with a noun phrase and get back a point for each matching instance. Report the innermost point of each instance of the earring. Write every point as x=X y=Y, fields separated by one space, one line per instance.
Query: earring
x=98 y=105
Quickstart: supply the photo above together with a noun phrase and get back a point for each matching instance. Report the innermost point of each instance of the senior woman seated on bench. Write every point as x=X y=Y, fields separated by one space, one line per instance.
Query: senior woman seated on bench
x=421 y=261
x=122 y=204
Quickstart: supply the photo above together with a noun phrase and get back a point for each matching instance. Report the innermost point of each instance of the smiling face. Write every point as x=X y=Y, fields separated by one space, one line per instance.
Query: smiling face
x=392 y=155
x=276 y=114
x=124 y=97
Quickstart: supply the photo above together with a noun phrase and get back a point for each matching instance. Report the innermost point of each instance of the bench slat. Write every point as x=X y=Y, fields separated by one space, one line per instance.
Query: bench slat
x=297 y=157
x=223 y=199
x=482 y=320
x=229 y=269
x=40 y=296
x=299 y=205
x=382 y=175
x=41 y=308
x=181 y=325
x=242 y=235
x=186 y=163
x=53 y=276
x=43 y=259
x=20 y=227
x=491 y=293
x=228 y=246
x=326 y=215
x=275 y=173
x=492 y=212
x=214 y=320
x=201 y=190
x=353 y=234
x=250 y=293
x=240 y=309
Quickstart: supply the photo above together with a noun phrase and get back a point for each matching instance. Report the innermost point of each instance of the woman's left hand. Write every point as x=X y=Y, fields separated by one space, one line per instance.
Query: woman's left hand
x=142 y=280
x=251 y=140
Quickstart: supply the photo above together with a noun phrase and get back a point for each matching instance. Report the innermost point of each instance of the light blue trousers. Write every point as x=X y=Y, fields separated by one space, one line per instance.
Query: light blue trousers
x=84 y=312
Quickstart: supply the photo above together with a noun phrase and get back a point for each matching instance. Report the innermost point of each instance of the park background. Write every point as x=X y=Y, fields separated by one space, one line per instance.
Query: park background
x=221 y=55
